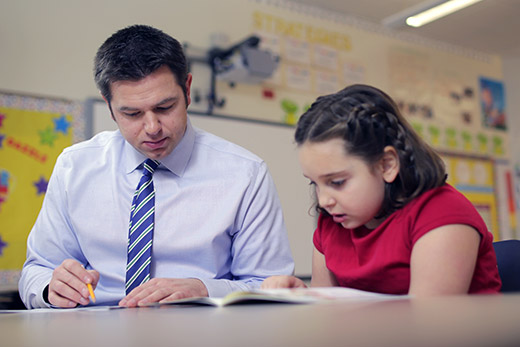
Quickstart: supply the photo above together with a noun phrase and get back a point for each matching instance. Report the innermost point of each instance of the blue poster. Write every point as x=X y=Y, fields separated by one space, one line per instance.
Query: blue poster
x=493 y=103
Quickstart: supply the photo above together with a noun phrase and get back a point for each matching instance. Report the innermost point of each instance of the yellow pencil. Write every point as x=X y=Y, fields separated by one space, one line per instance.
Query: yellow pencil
x=91 y=291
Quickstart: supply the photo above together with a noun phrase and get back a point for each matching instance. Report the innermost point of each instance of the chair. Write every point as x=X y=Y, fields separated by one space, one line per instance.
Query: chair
x=508 y=261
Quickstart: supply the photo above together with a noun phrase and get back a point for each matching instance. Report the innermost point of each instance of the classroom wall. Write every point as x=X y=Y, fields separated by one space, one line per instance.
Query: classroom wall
x=47 y=49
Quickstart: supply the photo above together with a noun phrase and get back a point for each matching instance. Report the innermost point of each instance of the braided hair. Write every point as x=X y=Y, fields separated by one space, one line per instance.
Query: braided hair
x=368 y=120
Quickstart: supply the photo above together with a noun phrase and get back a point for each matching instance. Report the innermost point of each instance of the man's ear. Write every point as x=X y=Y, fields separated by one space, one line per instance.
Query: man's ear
x=390 y=164
x=188 y=89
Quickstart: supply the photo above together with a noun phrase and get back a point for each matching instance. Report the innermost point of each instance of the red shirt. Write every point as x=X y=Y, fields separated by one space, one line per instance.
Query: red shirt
x=379 y=260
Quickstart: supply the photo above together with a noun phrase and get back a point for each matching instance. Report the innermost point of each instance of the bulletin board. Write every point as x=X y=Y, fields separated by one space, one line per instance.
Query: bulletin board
x=33 y=132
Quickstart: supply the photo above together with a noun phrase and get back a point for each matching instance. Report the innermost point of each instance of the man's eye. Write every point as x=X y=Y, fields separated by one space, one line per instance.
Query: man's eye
x=164 y=108
x=130 y=114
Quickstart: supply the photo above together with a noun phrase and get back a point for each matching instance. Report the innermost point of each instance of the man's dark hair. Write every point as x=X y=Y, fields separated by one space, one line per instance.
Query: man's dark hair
x=135 y=52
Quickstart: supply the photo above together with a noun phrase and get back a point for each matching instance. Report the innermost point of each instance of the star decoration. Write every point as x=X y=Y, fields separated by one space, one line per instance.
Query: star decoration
x=2 y=117
x=61 y=124
x=2 y=137
x=2 y=245
x=4 y=180
x=47 y=137
x=41 y=185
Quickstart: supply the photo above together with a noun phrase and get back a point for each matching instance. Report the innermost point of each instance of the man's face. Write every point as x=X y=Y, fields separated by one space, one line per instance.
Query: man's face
x=151 y=113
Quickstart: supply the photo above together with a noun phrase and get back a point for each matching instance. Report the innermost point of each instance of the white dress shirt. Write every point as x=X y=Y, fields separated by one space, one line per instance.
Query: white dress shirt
x=217 y=217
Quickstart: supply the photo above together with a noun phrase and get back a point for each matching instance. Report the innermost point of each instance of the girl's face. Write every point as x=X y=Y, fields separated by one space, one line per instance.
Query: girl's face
x=350 y=190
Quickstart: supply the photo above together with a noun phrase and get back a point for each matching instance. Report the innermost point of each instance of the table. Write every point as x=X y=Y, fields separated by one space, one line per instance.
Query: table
x=440 y=321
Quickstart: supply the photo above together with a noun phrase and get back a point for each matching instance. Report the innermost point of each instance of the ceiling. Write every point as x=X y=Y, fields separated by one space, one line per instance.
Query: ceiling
x=490 y=26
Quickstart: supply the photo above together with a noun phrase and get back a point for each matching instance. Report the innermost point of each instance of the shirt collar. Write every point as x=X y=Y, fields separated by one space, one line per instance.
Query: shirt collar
x=176 y=161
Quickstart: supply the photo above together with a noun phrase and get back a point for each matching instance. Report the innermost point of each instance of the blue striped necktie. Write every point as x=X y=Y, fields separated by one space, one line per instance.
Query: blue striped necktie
x=141 y=229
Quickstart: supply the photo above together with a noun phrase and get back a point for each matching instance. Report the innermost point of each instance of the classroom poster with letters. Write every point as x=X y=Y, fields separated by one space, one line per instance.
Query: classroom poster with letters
x=31 y=138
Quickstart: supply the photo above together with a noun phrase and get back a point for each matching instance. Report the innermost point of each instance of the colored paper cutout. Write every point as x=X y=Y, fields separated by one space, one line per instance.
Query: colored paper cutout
x=41 y=185
x=47 y=136
x=2 y=245
x=62 y=124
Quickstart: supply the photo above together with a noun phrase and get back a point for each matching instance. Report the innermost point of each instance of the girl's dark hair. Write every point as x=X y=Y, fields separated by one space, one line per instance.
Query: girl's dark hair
x=368 y=120
x=135 y=52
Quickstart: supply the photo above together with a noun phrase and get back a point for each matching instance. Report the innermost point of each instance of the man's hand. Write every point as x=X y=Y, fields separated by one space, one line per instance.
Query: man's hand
x=68 y=286
x=164 y=289
x=282 y=281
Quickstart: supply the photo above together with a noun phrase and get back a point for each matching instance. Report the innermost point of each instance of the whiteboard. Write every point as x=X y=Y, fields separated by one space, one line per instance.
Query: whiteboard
x=274 y=144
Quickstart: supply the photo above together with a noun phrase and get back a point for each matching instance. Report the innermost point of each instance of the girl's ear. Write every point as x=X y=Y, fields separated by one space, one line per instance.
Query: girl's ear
x=390 y=164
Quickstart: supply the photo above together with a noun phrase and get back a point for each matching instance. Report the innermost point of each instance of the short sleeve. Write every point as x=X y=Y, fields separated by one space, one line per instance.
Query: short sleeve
x=441 y=207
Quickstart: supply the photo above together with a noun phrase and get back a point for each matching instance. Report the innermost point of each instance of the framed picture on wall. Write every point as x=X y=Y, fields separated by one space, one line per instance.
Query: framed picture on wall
x=492 y=103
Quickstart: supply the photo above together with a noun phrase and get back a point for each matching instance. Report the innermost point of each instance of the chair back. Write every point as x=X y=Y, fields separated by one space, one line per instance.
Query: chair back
x=508 y=261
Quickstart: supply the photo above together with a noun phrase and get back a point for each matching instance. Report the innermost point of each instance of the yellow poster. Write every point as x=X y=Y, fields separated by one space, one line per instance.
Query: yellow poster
x=474 y=177
x=30 y=142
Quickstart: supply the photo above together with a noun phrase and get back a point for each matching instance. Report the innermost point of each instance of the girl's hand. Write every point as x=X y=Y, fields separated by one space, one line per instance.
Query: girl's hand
x=282 y=281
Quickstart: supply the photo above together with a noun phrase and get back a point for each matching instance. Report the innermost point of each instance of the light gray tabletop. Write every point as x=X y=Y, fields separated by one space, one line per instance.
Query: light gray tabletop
x=443 y=321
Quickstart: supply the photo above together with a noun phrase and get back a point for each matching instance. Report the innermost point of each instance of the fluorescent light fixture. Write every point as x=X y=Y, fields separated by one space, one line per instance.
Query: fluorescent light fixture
x=435 y=8
x=438 y=11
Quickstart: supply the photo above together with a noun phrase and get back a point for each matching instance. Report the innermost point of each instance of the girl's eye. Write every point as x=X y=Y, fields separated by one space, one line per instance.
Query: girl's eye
x=311 y=183
x=337 y=183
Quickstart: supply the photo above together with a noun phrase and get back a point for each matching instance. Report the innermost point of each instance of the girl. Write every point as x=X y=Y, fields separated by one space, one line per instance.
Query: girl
x=389 y=223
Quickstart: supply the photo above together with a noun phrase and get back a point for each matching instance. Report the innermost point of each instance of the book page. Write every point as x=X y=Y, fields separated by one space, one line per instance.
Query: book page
x=286 y=295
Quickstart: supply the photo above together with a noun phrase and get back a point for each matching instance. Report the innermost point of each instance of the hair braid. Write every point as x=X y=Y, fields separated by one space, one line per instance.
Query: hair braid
x=368 y=120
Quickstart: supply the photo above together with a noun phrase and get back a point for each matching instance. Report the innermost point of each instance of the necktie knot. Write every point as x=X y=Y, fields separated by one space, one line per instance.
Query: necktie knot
x=149 y=167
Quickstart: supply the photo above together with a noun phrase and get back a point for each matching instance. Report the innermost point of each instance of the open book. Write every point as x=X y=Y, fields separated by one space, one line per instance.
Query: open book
x=286 y=296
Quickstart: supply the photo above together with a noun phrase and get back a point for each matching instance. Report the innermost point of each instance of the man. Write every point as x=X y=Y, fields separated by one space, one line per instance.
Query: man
x=210 y=205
